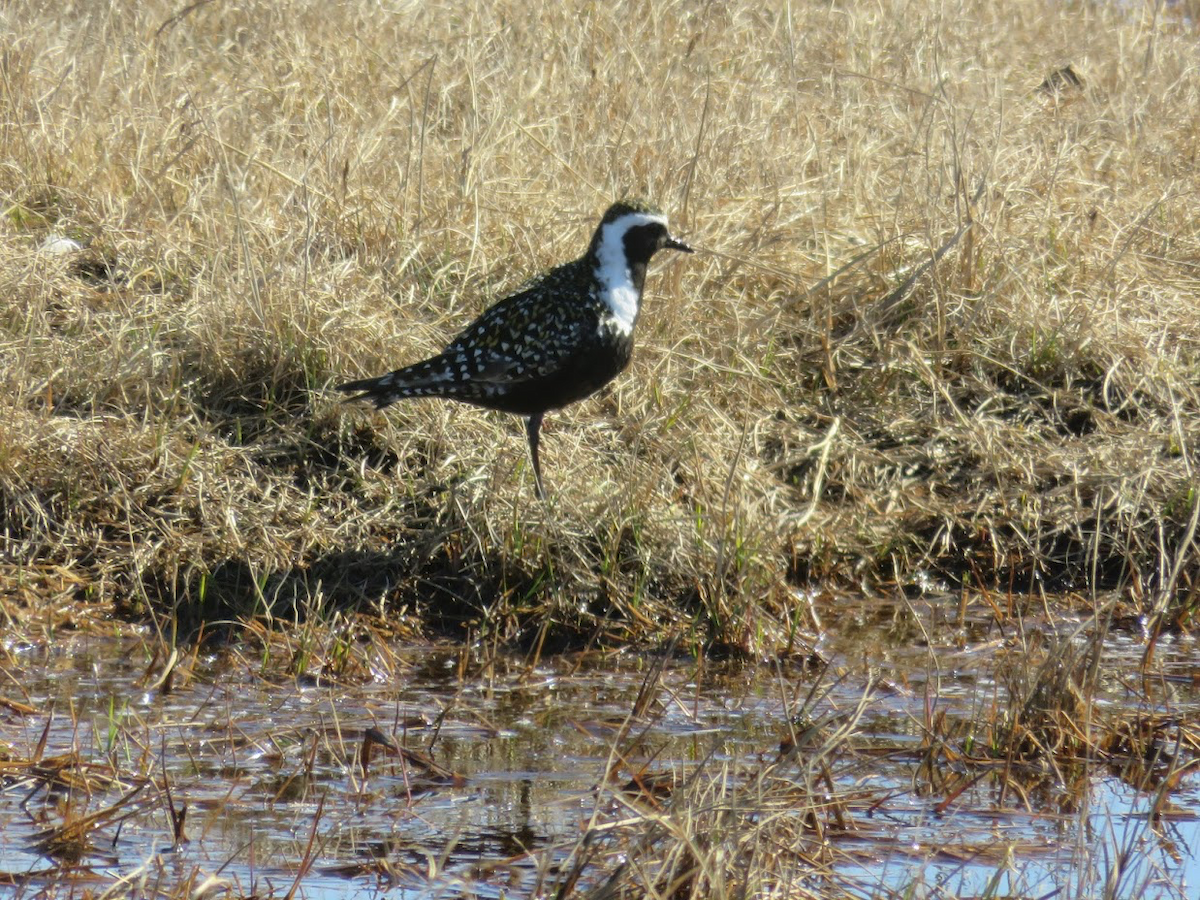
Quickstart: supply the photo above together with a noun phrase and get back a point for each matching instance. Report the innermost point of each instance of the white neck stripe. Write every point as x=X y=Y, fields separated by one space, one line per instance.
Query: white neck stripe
x=612 y=271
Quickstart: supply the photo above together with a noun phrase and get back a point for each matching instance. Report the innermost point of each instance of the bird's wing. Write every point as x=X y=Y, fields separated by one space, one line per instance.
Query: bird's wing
x=525 y=336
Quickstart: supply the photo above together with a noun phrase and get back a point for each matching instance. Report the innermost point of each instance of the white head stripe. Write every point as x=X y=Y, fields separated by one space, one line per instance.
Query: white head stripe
x=616 y=281
x=615 y=230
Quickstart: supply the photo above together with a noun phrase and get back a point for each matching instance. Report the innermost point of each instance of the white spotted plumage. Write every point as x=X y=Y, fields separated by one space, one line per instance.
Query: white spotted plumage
x=556 y=341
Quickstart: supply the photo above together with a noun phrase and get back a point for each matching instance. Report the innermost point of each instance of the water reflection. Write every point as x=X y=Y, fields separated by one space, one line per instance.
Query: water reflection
x=492 y=770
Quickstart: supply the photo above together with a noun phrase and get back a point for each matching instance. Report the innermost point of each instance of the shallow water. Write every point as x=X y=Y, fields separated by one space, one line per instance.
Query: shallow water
x=255 y=763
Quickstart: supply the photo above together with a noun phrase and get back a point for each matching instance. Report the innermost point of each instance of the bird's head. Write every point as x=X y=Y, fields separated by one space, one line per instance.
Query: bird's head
x=633 y=231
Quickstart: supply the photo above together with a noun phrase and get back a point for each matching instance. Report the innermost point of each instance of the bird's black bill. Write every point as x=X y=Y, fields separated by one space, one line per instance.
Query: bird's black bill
x=672 y=244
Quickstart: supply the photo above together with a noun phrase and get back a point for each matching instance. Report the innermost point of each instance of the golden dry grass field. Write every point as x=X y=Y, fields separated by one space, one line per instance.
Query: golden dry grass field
x=918 y=425
x=943 y=325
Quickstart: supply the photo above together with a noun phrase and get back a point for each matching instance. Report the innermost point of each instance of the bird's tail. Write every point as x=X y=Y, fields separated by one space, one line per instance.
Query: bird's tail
x=424 y=379
x=373 y=389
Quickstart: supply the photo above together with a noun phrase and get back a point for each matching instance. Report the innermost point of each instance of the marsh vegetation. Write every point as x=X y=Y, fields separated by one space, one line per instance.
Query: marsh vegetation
x=933 y=376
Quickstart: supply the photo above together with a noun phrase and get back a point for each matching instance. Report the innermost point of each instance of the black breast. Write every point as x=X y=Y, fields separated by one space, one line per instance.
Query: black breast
x=593 y=365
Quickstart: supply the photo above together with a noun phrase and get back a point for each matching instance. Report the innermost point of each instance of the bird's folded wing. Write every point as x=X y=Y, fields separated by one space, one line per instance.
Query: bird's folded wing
x=511 y=350
x=497 y=367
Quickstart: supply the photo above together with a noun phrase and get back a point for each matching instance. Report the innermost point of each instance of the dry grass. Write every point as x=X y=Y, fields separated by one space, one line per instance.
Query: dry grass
x=278 y=196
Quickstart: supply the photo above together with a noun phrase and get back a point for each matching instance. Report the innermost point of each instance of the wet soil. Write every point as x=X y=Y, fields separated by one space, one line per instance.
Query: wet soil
x=482 y=779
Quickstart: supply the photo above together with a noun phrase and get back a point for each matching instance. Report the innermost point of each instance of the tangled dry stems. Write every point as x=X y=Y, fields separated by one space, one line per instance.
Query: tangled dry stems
x=792 y=820
x=274 y=199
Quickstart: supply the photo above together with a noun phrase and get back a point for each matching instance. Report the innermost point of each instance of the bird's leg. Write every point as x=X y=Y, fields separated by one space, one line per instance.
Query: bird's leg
x=533 y=426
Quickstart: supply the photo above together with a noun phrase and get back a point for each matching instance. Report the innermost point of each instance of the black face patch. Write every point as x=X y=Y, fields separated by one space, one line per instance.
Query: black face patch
x=643 y=241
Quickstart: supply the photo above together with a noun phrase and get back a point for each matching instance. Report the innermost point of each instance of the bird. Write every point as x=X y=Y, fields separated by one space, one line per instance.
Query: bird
x=557 y=340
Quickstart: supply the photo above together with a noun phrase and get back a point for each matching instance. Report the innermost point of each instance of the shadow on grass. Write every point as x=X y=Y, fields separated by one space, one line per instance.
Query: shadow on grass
x=433 y=588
